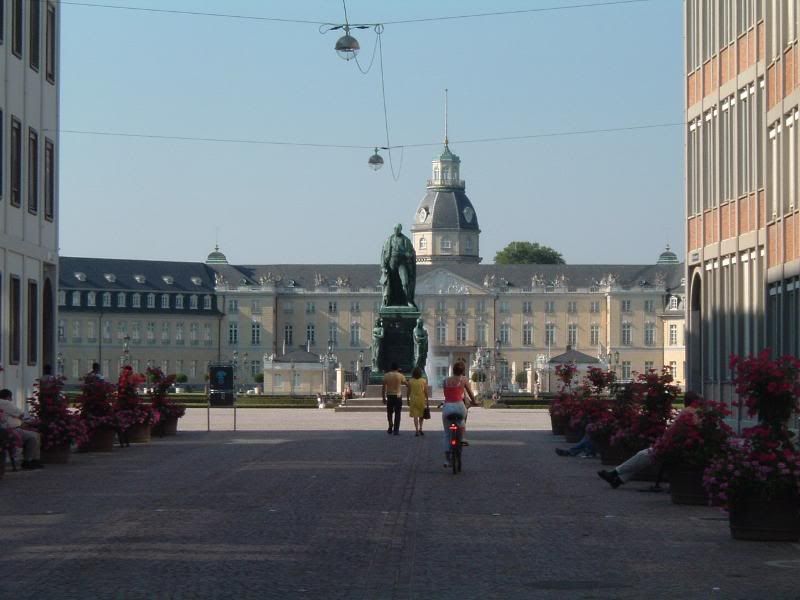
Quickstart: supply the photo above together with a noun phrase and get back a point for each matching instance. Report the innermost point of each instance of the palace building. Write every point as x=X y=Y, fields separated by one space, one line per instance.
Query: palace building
x=282 y=319
x=29 y=146
x=742 y=221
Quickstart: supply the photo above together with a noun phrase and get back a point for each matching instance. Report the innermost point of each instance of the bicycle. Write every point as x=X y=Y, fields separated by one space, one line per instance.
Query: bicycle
x=455 y=442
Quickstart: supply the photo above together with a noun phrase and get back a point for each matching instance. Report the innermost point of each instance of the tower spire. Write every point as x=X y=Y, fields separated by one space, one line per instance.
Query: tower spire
x=445 y=116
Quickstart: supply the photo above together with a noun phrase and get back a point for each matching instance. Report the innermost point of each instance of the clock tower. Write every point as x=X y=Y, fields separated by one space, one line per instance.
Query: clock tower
x=445 y=225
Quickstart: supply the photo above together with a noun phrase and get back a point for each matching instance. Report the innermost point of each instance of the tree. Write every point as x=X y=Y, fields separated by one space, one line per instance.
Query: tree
x=528 y=253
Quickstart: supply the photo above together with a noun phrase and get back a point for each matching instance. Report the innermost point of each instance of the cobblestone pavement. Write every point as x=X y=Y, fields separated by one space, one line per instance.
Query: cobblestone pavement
x=320 y=505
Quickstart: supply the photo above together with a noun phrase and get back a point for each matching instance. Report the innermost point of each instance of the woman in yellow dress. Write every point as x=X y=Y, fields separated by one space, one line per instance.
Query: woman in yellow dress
x=417 y=399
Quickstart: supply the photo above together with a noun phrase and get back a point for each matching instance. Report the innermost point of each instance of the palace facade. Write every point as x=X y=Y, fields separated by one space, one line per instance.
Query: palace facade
x=179 y=316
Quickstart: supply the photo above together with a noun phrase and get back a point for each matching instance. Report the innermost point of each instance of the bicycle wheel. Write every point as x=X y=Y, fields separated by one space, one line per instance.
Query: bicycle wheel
x=456 y=459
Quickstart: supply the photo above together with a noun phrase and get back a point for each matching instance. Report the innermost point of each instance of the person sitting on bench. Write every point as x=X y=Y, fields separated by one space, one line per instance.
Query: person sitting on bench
x=12 y=419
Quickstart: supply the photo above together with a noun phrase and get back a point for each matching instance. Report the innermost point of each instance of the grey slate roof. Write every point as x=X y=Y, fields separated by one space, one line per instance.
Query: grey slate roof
x=573 y=356
x=354 y=277
x=298 y=356
x=124 y=271
x=447 y=211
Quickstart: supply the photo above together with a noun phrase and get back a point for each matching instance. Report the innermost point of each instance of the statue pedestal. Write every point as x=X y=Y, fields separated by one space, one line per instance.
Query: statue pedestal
x=397 y=344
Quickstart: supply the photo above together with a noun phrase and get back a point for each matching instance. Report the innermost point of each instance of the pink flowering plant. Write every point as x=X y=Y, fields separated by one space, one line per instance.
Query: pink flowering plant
x=96 y=403
x=765 y=460
x=562 y=405
x=159 y=396
x=652 y=398
x=58 y=425
x=696 y=437
x=128 y=406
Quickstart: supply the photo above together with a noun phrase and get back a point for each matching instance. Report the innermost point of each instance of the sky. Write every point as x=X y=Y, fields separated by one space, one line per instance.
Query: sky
x=599 y=198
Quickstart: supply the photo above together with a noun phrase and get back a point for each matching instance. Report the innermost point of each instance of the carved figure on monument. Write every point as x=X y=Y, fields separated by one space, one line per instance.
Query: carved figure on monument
x=420 y=345
x=398 y=270
x=377 y=341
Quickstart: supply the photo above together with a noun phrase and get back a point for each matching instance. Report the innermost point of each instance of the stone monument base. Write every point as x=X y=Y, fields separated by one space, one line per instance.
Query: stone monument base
x=397 y=344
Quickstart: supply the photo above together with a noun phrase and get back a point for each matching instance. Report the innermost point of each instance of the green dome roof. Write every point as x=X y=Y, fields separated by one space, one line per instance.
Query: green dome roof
x=216 y=257
x=448 y=155
x=668 y=258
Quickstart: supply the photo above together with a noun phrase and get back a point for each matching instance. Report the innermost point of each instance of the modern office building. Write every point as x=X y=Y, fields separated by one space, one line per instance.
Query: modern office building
x=29 y=121
x=742 y=224
x=180 y=316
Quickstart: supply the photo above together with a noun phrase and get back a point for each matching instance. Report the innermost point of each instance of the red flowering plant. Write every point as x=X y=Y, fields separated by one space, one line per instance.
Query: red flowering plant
x=56 y=423
x=95 y=403
x=128 y=406
x=563 y=404
x=765 y=460
x=619 y=413
x=159 y=396
x=653 y=395
x=696 y=436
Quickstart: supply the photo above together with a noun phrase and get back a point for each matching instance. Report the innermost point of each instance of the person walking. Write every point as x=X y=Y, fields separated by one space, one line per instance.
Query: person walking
x=391 y=391
x=456 y=390
x=418 y=399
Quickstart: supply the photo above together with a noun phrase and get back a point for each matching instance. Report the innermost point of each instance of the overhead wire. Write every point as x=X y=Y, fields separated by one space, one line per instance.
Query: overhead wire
x=252 y=141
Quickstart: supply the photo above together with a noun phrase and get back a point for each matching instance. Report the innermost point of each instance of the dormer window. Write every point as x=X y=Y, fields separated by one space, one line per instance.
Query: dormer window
x=91 y=299
x=139 y=278
x=62 y=298
x=136 y=301
x=168 y=279
x=197 y=281
x=110 y=277
x=673 y=303
x=107 y=299
x=206 y=302
x=179 y=301
x=80 y=276
x=76 y=298
x=193 y=302
x=151 y=300
x=164 y=301
x=121 y=300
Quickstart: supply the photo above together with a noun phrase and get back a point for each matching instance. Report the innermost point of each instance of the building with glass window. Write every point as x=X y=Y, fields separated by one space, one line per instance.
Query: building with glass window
x=29 y=121
x=181 y=315
x=743 y=250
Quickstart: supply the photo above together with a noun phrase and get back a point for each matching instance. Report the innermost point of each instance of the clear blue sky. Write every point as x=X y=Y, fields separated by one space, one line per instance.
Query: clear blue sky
x=601 y=198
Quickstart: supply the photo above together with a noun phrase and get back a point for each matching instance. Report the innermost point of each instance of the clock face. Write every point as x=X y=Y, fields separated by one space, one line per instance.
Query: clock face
x=422 y=215
x=469 y=214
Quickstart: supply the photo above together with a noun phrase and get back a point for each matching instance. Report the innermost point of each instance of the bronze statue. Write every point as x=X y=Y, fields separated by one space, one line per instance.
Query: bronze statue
x=398 y=270
x=377 y=340
x=420 y=345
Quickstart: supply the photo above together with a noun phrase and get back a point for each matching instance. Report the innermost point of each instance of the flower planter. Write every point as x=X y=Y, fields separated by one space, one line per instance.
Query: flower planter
x=58 y=455
x=615 y=455
x=572 y=436
x=686 y=486
x=164 y=427
x=101 y=440
x=139 y=433
x=757 y=517
x=558 y=424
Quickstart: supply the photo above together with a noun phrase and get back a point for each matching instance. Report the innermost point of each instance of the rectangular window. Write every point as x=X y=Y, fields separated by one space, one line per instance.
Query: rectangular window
x=288 y=336
x=107 y=331
x=332 y=308
x=625 y=338
x=550 y=334
x=207 y=334
x=355 y=307
x=527 y=307
x=461 y=332
x=461 y=307
x=50 y=44
x=480 y=333
x=649 y=334
x=15 y=321
x=179 y=302
x=16 y=162
x=441 y=306
x=62 y=331
x=594 y=307
x=311 y=334
x=233 y=333
x=165 y=333
x=233 y=306
x=76 y=332
x=648 y=366
x=33 y=321
x=311 y=308
x=136 y=301
x=136 y=332
x=76 y=298
x=33 y=171
x=333 y=333
x=121 y=300
x=503 y=306
x=34 y=27
x=594 y=334
x=106 y=299
x=164 y=301
x=505 y=334
x=649 y=306
x=151 y=300
x=194 y=334
x=572 y=334
x=527 y=334
x=206 y=302
x=255 y=333
x=441 y=332
x=572 y=307
x=480 y=307
x=673 y=334
x=625 y=306
x=549 y=306
x=179 y=334
x=355 y=334
x=17 y=24
x=626 y=369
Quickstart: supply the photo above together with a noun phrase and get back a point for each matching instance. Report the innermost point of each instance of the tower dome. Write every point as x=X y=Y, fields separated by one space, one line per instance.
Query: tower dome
x=667 y=258
x=216 y=257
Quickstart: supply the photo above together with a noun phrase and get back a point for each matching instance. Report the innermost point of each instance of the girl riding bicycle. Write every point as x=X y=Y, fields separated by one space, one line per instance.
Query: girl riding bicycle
x=456 y=388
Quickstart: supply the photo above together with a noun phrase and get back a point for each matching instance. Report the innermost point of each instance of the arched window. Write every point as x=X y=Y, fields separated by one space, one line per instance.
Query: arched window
x=121 y=300
x=151 y=300
x=91 y=299
x=106 y=299
x=461 y=332
x=423 y=244
x=441 y=331
x=164 y=301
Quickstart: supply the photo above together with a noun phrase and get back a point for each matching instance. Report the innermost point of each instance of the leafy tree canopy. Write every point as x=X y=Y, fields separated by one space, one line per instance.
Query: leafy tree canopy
x=528 y=253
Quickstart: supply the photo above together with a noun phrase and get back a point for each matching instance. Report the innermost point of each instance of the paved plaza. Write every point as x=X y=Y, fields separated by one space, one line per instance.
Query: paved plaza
x=314 y=504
